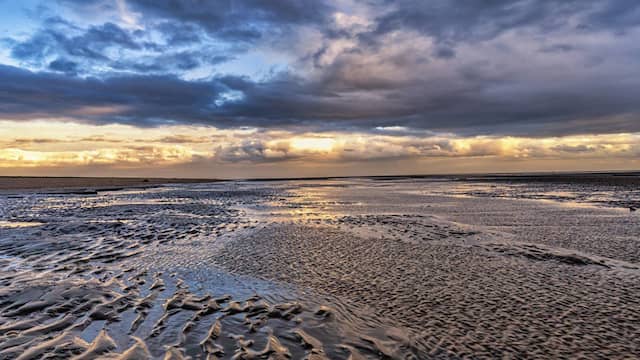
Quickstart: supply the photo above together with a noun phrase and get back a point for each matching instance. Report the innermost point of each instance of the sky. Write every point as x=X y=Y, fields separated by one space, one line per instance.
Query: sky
x=251 y=88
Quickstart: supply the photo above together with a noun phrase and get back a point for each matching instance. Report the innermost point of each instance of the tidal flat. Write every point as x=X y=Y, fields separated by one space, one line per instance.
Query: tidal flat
x=352 y=268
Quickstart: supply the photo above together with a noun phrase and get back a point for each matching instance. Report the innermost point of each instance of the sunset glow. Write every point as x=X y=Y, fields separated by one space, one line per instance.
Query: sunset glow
x=312 y=144
x=64 y=146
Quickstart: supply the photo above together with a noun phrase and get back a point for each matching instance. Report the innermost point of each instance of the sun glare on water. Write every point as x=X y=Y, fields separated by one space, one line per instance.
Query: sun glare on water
x=312 y=144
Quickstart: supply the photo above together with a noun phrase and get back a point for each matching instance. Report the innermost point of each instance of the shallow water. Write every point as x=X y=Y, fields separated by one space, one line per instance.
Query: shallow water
x=350 y=268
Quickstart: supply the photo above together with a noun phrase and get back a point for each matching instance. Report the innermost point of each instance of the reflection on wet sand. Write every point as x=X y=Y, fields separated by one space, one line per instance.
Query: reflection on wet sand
x=16 y=224
x=339 y=269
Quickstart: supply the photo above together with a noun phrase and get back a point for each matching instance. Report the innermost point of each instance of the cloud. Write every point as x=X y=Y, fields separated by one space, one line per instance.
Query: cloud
x=471 y=21
x=519 y=67
x=244 y=20
x=141 y=100
x=582 y=148
x=209 y=151
x=184 y=139
x=64 y=66
x=108 y=49
x=91 y=44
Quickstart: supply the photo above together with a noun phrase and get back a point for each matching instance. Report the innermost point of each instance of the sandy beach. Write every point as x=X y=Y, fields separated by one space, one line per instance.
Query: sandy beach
x=405 y=268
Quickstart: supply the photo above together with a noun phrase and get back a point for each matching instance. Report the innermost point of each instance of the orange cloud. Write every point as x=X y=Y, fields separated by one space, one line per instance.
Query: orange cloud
x=120 y=146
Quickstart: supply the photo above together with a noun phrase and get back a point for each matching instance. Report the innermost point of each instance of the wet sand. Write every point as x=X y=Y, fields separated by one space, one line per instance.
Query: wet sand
x=340 y=269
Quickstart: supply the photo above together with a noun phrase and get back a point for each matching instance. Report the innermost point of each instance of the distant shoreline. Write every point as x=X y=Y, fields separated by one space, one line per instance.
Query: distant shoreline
x=88 y=185
x=609 y=177
x=84 y=185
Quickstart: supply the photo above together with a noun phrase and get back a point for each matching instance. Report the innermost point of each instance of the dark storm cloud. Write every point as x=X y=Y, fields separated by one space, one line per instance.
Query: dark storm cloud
x=289 y=101
x=140 y=100
x=230 y=20
x=238 y=20
x=149 y=100
x=470 y=20
x=179 y=33
x=167 y=63
x=64 y=66
x=469 y=67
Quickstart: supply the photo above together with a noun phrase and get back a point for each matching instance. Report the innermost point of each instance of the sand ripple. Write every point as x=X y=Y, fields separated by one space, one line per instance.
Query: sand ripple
x=314 y=270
